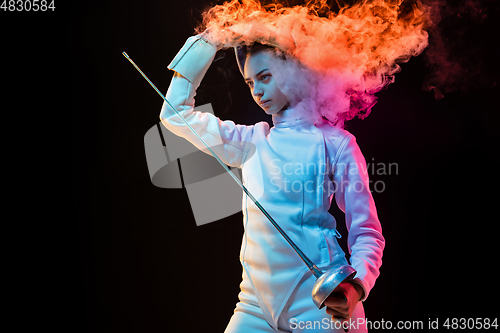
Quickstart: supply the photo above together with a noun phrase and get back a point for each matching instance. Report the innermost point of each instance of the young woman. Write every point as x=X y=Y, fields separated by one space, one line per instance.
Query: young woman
x=294 y=168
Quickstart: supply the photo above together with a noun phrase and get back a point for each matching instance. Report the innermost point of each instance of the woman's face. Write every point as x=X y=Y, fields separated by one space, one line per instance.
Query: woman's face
x=262 y=85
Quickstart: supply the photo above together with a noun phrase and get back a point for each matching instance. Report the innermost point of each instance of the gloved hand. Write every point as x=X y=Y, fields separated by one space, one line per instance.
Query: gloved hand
x=340 y=304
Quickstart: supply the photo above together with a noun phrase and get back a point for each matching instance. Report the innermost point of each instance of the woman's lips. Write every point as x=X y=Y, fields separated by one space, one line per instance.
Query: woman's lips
x=265 y=103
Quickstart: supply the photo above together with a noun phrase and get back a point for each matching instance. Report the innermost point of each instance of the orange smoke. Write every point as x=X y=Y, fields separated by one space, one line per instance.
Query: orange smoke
x=349 y=55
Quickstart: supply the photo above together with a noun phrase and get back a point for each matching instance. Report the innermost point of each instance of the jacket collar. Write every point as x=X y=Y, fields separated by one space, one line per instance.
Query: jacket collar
x=292 y=118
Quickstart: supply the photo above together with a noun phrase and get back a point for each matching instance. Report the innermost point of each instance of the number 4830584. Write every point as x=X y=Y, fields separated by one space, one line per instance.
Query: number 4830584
x=27 y=5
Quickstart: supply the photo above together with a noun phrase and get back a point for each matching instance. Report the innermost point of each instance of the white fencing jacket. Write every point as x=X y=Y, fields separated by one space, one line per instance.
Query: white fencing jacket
x=294 y=169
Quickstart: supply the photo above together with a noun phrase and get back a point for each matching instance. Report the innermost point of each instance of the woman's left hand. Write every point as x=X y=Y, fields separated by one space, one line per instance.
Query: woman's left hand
x=340 y=304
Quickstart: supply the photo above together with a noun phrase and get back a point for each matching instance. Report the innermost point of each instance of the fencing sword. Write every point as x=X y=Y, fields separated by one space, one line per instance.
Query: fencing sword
x=327 y=281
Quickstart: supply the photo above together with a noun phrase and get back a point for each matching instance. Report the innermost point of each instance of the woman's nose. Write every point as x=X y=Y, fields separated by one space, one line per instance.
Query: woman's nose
x=257 y=91
x=258 y=94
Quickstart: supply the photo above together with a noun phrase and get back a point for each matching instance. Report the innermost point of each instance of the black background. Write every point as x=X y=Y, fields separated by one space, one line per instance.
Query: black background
x=142 y=264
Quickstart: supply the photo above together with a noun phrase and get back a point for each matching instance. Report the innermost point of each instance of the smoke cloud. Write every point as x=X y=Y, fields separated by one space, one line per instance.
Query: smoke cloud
x=462 y=53
x=342 y=58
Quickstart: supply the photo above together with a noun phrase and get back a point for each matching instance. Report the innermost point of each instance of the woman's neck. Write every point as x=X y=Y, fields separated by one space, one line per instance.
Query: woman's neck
x=286 y=114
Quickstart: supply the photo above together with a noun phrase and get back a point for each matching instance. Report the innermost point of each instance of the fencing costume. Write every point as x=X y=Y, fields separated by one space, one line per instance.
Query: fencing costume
x=294 y=168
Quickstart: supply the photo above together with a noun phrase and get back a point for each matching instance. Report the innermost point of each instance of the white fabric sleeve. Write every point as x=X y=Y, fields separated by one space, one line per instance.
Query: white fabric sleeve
x=352 y=194
x=229 y=141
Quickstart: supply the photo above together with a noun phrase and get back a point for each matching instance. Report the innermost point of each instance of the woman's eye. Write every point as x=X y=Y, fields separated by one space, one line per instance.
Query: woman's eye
x=264 y=77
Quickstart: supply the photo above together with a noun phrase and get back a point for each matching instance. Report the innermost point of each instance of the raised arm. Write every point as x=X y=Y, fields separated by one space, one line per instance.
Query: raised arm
x=230 y=142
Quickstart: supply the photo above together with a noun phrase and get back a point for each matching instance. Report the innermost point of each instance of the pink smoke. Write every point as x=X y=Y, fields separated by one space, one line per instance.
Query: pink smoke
x=342 y=59
x=457 y=54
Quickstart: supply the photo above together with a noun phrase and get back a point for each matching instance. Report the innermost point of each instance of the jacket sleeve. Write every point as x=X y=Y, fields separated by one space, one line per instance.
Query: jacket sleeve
x=365 y=241
x=229 y=141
